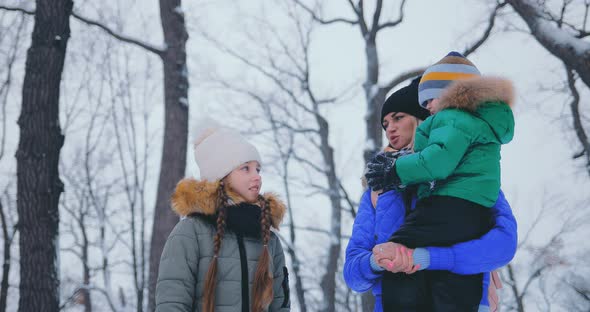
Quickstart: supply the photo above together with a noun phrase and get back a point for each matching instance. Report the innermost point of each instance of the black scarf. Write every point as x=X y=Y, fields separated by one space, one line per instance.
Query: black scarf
x=242 y=219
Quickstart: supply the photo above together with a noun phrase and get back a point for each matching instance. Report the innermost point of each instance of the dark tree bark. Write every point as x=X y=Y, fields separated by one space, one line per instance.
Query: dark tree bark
x=6 y=259
x=39 y=186
x=85 y=292
x=577 y=118
x=175 y=132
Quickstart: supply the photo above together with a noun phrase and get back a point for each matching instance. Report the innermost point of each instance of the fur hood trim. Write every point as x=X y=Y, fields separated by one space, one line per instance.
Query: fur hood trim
x=468 y=94
x=193 y=196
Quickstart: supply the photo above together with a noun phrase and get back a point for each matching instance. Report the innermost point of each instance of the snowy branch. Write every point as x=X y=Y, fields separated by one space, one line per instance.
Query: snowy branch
x=574 y=52
x=144 y=45
x=17 y=9
x=88 y=21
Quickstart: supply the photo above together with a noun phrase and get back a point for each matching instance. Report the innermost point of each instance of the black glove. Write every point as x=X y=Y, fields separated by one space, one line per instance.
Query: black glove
x=380 y=170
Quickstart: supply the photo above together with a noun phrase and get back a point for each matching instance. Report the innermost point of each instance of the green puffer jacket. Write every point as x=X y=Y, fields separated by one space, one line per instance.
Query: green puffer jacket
x=459 y=147
x=189 y=250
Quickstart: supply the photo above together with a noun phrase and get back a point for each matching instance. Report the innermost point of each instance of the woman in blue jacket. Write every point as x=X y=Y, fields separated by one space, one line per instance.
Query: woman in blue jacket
x=376 y=220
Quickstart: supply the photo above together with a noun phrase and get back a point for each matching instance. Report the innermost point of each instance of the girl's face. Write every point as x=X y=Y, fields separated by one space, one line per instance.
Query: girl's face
x=399 y=129
x=246 y=181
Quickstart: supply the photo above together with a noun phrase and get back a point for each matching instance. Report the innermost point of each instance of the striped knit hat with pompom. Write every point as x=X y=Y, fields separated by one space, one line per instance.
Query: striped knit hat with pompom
x=440 y=75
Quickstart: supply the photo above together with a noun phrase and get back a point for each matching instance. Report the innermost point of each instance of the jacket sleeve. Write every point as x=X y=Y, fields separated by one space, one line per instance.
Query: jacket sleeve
x=177 y=278
x=357 y=268
x=281 y=301
x=447 y=143
x=493 y=250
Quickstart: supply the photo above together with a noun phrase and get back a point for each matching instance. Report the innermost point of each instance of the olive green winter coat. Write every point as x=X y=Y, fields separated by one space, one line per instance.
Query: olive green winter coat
x=189 y=250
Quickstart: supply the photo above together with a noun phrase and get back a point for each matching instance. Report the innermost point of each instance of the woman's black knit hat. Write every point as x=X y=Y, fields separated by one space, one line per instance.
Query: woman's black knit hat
x=405 y=100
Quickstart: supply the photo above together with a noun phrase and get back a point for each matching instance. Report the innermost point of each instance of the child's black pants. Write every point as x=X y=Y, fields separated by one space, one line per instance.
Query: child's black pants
x=437 y=221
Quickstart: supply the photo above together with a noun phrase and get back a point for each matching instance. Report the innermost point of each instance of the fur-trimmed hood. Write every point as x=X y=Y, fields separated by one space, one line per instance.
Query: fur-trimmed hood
x=476 y=94
x=469 y=94
x=194 y=196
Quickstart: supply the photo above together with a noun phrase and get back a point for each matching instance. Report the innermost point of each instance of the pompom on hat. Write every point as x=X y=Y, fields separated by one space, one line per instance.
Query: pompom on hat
x=454 y=66
x=218 y=149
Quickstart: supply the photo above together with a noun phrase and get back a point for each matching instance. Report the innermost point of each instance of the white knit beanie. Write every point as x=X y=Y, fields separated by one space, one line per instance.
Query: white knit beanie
x=219 y=150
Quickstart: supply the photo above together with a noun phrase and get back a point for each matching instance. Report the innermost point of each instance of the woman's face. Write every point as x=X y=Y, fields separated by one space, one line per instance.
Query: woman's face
x=246 y=181
x=399 y=129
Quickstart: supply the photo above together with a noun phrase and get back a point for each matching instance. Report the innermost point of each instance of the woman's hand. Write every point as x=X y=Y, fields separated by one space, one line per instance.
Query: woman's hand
x=395 y=258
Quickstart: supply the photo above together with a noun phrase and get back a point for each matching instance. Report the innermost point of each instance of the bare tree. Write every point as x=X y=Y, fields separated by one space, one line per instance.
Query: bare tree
x=550 y=31
x=85 y=201
x=13 y=41
x=284 y=144
x=79 y=213
x=39 y=185
x=173 y=161
x=524 y=279
x=566 y=40
x=370 y=26
x=133 y=144
x=579 y=298
x=106 y=172
x=578 y=123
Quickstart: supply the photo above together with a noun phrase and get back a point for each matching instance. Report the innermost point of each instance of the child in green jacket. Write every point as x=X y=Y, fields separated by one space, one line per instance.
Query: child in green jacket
x=456 y=169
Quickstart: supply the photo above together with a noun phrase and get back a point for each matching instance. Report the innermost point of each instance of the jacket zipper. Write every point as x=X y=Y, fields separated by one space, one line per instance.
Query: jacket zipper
x=244 y=265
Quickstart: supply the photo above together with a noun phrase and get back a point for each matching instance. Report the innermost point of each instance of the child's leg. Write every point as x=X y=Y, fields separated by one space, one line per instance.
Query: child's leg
x=403 y=292
x=453 y=292
x=443 y=221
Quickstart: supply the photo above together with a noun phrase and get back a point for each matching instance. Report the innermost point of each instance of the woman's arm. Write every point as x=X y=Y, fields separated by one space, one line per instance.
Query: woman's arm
x=493 y=250
x=357 y=268
x=178 y=265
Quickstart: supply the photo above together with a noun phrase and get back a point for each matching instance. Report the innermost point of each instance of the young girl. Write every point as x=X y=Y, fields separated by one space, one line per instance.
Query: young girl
x=222 y=255
x=457 y=170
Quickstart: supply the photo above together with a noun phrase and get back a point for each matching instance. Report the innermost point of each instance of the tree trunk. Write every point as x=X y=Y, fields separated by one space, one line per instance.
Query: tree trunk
x=294 y=259
x=39 y=186
x=173 y=160
x=85 y=266
x=6 y=261
x=368 y=301
x=515 y=291
x=328 y=282
x=577 y=117
x=375 y=98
